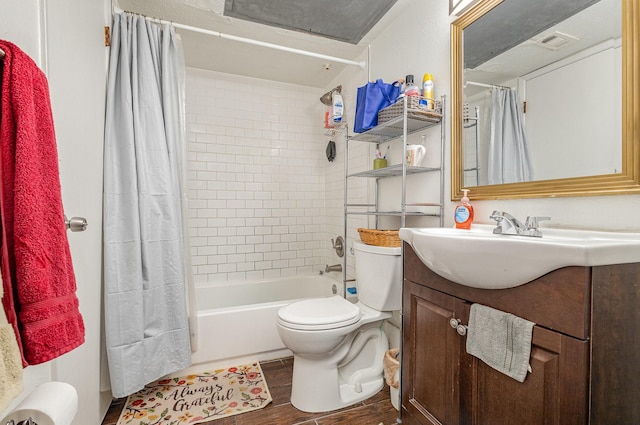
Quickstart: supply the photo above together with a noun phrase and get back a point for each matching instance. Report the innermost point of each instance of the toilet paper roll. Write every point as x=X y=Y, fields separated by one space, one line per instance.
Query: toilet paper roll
x=51 y=403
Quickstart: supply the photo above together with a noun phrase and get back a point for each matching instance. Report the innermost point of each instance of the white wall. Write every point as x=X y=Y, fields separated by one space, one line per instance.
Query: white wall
x=573 y=131
x=65 y=39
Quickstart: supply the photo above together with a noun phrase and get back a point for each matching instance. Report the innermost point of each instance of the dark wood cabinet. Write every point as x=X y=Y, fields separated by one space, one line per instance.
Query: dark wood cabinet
x=433 y=352
x=577 y=377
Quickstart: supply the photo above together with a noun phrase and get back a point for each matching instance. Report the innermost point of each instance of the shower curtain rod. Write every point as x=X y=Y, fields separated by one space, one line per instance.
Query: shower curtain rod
x=491 y=86
x=251 y=41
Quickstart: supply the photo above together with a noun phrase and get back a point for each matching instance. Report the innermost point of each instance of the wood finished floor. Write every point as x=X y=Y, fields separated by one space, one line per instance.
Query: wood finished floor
x=373 y=411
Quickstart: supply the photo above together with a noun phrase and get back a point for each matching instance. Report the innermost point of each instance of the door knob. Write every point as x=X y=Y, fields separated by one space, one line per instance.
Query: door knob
x=75 y=224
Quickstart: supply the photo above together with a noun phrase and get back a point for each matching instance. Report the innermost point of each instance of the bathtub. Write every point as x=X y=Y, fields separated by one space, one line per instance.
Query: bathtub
x=237 y=321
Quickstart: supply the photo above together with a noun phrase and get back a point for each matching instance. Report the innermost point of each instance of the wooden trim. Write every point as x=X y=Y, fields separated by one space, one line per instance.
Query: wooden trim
x=624 y=183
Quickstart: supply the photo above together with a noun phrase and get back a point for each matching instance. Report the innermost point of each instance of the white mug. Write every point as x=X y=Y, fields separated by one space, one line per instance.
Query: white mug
x=415 y=154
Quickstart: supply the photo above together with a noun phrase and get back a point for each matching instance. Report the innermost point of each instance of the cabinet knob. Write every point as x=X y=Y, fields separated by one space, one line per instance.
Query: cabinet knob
x=458 y=326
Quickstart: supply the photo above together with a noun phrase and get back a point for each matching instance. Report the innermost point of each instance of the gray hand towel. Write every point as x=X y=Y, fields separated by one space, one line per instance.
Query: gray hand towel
x=501 y=340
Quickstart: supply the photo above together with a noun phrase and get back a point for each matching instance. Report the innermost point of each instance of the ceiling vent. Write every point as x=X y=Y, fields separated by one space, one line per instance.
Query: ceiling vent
x=555 y=40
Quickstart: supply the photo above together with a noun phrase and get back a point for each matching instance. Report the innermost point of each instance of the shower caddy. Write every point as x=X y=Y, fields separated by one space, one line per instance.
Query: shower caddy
x=395 y=130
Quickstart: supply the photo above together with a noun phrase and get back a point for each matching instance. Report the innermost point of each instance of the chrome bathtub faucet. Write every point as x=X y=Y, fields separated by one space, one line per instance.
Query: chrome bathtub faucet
x=509 y=225
x=334 y=268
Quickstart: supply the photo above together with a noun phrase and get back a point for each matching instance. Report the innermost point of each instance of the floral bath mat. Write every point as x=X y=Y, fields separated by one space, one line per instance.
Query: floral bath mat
x=198 y=398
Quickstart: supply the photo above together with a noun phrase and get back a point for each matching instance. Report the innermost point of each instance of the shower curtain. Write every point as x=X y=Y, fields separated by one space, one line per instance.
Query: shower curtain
x=146 y=328
x=509 y=160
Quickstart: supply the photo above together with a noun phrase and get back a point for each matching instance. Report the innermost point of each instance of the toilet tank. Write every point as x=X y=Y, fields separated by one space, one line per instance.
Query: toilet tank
x=378 y=276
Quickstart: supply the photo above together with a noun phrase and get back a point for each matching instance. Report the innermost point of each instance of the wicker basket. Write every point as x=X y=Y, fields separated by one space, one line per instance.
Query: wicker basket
x=379 y=237
x=413 y=111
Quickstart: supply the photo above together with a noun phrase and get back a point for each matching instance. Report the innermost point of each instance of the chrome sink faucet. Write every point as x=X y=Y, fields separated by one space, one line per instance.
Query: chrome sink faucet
x=509 y=225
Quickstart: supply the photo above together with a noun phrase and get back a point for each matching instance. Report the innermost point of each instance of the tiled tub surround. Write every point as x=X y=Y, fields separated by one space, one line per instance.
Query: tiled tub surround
x=256 y=178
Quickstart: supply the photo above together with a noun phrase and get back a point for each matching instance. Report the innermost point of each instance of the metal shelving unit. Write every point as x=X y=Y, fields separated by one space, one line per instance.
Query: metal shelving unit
x=474 y=122
x=392 y=170
x=408 y=122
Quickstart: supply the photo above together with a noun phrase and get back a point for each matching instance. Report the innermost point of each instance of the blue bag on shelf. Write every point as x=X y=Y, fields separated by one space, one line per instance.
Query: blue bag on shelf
x=372 y=97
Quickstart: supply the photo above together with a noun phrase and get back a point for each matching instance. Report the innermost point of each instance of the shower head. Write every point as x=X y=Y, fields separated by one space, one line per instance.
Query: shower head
x=326 y=98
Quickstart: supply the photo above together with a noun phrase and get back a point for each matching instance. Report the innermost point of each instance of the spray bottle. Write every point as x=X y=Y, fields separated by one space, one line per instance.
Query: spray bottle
x=428 y=93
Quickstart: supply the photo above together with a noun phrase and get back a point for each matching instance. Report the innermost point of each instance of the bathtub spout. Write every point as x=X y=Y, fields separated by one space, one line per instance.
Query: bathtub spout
x=334 y=268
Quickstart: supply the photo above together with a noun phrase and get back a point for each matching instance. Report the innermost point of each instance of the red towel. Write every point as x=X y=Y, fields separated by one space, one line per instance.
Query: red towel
x=40 y=300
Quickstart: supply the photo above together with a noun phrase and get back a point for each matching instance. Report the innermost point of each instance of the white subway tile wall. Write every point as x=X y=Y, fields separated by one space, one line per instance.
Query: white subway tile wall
x=256 y=178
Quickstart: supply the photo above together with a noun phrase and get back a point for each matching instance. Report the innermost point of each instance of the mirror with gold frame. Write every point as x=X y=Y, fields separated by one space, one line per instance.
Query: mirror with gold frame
x=626 y=181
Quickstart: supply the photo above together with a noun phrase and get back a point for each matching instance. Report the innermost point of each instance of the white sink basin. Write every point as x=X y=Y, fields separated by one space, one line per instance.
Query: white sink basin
x=480 y=259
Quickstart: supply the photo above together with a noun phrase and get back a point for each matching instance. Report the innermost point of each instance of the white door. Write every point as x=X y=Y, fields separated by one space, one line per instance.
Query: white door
x=65 y=38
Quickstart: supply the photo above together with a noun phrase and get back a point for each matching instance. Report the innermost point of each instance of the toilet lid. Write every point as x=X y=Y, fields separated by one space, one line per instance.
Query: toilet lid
x=330 y=312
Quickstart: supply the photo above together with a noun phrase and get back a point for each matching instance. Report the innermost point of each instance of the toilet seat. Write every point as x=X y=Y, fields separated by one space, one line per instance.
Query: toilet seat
x=319 y=314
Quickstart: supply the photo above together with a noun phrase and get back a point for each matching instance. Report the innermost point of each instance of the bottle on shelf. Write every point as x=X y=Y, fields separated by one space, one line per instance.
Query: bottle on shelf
x=337 y=107
x=328 y=118
x=428 y=101
x=410 y=88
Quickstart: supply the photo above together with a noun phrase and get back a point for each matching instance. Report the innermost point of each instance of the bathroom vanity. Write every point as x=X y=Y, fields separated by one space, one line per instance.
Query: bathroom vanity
x=585 y=352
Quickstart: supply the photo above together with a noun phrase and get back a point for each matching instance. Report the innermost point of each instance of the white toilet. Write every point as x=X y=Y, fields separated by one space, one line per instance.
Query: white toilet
x=338 y=347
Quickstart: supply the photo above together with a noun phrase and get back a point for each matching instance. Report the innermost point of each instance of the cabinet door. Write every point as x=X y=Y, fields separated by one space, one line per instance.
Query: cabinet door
x=443 y=385
x=431 y=358
x=553 y=393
